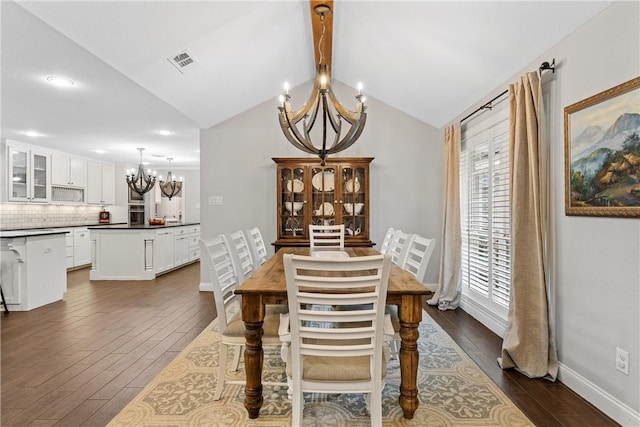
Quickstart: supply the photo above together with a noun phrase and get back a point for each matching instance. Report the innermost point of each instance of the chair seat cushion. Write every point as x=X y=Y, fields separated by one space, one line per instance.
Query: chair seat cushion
x=235 y=328
x=324 y=368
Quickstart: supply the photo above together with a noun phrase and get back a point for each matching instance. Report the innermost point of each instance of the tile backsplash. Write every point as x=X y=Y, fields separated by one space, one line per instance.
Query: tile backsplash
x=24 y=215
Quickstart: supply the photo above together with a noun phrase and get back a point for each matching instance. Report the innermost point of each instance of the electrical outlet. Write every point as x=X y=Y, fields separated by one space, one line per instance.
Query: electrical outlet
x=622 y=361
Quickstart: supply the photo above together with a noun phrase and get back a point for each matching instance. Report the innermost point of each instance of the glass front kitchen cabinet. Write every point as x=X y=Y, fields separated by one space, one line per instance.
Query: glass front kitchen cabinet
x=308 y=193
x=28 y=176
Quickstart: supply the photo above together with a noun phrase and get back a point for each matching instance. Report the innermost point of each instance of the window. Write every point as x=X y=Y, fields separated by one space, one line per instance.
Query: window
x=485 y=209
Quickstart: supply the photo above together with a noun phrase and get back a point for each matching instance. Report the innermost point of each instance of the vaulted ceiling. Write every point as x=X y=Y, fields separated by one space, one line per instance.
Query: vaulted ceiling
x=430 y=59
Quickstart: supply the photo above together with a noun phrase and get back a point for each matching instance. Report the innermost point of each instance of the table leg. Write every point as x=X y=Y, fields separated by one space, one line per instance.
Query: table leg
x=410 y=313
x=253 y=317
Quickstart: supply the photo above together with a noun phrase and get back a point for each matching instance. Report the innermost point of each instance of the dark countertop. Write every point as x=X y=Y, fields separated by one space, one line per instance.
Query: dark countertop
x=30 y=233
x=143 y=226
x=54 y=227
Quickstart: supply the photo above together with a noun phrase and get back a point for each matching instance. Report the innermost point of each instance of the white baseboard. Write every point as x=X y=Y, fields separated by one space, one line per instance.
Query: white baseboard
x=612 y=407
x=205 y=287
x=496 y=324
x=598 y=397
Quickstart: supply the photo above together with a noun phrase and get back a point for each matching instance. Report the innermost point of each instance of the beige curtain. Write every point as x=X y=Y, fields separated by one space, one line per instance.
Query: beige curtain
x=447 y=296
x=529 y=341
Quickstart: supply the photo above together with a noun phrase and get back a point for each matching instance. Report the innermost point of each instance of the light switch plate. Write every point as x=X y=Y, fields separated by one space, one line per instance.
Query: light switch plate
x=215 y=201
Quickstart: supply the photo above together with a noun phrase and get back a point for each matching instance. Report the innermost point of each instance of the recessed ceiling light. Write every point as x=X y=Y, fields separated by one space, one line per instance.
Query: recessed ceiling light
x=164 y=132
x=32 y=133
x=100 y=151
x=60 y=81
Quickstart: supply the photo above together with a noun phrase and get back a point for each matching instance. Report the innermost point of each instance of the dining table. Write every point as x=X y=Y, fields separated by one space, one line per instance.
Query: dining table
x=268 y=286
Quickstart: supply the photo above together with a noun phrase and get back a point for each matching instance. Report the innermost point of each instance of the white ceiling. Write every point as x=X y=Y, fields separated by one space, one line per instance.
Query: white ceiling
x=430 y=59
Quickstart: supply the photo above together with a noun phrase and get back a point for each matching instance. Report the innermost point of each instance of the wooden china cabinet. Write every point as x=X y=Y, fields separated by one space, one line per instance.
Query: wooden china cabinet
x=336 y=193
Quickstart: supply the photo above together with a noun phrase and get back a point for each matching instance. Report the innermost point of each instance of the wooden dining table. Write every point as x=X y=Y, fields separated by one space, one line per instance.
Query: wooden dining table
x=268 y=286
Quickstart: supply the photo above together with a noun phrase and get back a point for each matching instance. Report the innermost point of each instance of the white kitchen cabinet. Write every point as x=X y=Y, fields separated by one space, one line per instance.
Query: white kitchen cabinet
x=122 y=252
x=101 y=184
x=194 y=242
x=32 y=269
x=186 y=241
x=68 y=246
x=163 y=250
x=181 y=249
x=81 y=246
x=67 y=170
x=28 y=174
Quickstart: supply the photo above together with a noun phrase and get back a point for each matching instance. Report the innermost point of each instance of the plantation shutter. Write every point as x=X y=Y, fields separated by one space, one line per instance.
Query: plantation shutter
x=485 y=208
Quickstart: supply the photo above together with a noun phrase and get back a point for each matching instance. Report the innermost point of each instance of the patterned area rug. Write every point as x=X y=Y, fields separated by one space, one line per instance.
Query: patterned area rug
x=453 y=391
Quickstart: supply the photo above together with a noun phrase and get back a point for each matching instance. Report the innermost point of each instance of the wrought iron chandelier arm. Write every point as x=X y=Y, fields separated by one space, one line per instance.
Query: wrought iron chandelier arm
x=290 y=131
x=348 y=115
x=294 y=136
x=295 y=116
x=350 y=137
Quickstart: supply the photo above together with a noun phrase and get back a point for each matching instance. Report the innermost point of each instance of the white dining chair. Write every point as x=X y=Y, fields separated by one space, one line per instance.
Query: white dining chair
x=241 y=254
x=217 y=258
x=257 y=246
x=337 y=350
x=386 y=242
x=326 y=236
x=418 y=254
x=398 y=246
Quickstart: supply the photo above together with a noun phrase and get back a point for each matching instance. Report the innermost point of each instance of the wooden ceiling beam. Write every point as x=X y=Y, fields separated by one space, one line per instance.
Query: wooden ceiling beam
x=317 y=32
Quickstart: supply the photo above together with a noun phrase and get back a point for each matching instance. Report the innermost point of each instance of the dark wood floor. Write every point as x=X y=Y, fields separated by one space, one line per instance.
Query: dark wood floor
x=80 y=361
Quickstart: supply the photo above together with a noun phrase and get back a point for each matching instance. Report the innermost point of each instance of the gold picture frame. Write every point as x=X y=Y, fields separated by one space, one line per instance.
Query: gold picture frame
x=602 y=153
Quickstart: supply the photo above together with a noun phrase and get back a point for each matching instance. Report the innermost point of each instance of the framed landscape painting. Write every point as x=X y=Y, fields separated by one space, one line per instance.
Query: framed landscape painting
x=602 y=153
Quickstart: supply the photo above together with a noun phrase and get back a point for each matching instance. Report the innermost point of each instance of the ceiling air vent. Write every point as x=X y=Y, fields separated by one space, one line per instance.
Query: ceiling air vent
x=182 y=61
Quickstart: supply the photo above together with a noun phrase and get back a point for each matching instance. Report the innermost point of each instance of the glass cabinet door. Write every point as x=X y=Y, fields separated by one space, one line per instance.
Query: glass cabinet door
x=323 y=198
x=353 y=201
x=293 y=203
x=39 y=164
x=19 y=163
x=28 y=175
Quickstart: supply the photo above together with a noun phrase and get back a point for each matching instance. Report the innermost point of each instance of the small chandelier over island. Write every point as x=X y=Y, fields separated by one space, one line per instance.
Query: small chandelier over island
x=139 y=181
x=171 y=187
x=333 y=114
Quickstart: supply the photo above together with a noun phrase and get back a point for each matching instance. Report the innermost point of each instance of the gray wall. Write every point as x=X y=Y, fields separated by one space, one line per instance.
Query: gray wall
x=595 y=260
x=406 y=175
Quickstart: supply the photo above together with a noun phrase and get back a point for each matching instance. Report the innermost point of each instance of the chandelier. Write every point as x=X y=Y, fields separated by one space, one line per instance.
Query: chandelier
x=171 y=187
x=139 y=181
x=324 y=102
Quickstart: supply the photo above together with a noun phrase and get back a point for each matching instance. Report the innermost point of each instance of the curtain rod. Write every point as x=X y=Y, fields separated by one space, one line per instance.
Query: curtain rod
x=544 y=66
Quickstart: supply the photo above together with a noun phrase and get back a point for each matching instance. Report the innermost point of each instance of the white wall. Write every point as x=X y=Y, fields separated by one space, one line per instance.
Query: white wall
x=406 y=175
x=596 y=263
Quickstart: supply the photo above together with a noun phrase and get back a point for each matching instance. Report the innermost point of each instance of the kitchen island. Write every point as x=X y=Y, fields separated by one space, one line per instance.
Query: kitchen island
x=141 y=252
x=32 y=267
